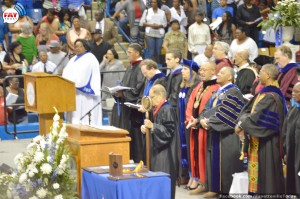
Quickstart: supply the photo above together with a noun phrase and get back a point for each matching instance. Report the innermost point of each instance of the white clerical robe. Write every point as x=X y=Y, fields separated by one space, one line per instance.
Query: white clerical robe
x=84 y=71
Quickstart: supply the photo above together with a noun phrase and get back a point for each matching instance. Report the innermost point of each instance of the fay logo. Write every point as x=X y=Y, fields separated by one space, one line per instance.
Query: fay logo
x=11 y=15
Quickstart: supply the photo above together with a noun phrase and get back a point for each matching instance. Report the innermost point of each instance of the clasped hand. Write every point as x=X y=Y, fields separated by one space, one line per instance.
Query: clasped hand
x=147 y=124
x=204 y=124
x=240 y=132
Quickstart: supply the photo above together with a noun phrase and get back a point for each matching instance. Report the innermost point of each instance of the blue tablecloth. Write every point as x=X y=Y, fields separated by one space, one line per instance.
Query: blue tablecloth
x=96 y=186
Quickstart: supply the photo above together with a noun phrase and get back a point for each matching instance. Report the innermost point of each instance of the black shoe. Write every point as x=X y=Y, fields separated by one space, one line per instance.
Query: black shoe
x=192 y=188
x=186 y=187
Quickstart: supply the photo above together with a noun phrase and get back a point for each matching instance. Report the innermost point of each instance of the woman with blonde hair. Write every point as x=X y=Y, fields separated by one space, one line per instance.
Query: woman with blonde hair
x=45 y=35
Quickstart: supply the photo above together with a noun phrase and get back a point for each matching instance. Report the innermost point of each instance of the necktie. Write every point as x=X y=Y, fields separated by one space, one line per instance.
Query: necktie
x=45 y=70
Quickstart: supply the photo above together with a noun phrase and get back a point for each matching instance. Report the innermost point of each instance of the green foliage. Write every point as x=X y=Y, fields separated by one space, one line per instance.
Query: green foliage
x=285 y=13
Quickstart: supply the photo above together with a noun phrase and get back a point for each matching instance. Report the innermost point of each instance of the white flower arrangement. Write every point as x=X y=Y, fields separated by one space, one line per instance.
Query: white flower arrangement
x=42 y=171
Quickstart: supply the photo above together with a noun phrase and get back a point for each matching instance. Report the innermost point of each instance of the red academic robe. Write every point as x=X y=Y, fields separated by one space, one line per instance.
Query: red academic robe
x=202 y=132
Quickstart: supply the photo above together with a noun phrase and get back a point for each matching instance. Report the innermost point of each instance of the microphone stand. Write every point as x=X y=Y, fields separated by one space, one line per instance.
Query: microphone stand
x=89 y=113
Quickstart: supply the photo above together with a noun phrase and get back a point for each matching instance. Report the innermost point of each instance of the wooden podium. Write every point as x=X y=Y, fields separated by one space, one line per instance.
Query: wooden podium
x=43 y=92
x=91 y=146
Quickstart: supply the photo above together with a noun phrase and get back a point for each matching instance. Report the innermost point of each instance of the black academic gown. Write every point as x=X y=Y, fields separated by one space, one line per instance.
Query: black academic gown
x=245 y=79
x=165 y=144
x=131 y=119
x=265 y=123
x=291 y=143
x=172 y=85
x=223 y=145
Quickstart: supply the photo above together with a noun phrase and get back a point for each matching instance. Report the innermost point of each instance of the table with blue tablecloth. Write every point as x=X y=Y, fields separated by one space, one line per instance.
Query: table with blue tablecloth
x=98 y=186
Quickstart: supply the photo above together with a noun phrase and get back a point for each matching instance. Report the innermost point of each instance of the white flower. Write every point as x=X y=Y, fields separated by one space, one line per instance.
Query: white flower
x=30 y=174
x=43 y=144
x=16 y=197
x=55 y=186
x=48 y=158
x=39 y=156
x=58 y=197
x=46 y=168
x=31 y=145
x=37 y=138
x=56 y=117
x=33 y=197
x=23 y=177
x=41 y=193
x=18 y=158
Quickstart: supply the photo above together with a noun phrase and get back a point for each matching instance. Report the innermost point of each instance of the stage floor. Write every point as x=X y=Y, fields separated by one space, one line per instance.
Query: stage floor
x=10 y=148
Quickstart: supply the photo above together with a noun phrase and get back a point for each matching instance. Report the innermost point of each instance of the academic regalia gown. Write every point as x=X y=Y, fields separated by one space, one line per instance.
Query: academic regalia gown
x=244 y=80
x=287 y=78
x=262 y=119
x=172 y=83
x=165 y=143
x=223 y=145
x=201 y=93
x=128 y=118
x=291 y=143
x=183 y=98
x=84 y=71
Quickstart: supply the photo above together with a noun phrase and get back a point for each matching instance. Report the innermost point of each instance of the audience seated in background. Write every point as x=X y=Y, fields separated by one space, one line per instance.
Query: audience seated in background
x=76 y=33
x=98 y=46
x=19 y=111
x=45 y=35
x=44 y=65
x=110 y=62
x=58 y=57
x=2 y=110
x=15 y=28
x=176 y=39
x=242 y=41
x=14 y=59
x=51 y=19
x=109 y=31
x=64 y=26
x=28 y=42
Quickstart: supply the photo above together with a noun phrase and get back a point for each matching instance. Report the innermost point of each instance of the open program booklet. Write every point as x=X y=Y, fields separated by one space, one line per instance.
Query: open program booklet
x=115 y=89
x=131 y=105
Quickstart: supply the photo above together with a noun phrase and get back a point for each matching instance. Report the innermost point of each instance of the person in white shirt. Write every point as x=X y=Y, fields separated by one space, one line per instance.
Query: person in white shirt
x=43 y=65
x=241 y=42
x=206 y=56
x=177 y=12
x=199 y=35
x=154 y=20
x=58 y=57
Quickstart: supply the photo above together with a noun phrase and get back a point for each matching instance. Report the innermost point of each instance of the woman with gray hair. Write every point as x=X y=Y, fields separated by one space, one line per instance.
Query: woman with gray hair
x=27 y=40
